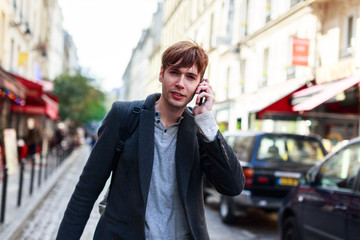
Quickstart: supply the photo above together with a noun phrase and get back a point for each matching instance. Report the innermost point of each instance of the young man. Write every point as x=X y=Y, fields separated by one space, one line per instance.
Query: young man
x=156 y=191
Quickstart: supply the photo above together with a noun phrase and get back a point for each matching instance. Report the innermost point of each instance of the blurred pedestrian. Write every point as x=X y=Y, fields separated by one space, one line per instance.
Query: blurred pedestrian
x=33 y=140
x=156 y=189
x=93 y=140
x=58 y=137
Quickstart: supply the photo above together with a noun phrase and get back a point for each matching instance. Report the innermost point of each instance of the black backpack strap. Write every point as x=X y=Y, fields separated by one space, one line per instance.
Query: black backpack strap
x=127 y=128
x=131 y=122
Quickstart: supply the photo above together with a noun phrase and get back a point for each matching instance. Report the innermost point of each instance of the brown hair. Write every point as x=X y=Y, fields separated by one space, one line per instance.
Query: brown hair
x=185 y=54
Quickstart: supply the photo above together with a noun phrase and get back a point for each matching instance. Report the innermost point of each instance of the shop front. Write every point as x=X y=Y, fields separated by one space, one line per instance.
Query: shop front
x=332 y=108
x=11 y=93
x=269 y=109
x=39 y=114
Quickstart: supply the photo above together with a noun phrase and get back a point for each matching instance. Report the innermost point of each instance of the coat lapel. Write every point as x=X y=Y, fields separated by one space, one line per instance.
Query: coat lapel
x=146 y=143
x=185 y=151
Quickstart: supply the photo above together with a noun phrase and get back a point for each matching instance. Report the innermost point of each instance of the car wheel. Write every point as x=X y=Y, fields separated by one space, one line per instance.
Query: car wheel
x=290 y=230
x=227 y=210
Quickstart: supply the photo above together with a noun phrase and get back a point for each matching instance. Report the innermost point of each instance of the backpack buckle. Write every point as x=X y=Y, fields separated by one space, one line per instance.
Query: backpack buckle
x=119 y=146
x=136 y=110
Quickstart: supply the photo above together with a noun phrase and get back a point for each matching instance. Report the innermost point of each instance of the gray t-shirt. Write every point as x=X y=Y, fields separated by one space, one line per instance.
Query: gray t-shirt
x=165 y=217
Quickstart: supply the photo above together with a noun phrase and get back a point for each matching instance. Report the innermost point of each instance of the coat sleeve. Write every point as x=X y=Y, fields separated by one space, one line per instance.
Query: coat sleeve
x=220 y=165
x=93 y=178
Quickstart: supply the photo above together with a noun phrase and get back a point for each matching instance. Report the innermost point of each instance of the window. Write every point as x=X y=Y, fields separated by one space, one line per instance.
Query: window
x=268 y=10
x=264 y=77
x=290 y=70
x=293 y=2
x=289 y=149
x=347 y=49
x=304 y=151
x=271 y=148
x=246 y=17
x=227 y=86
x=242 y=75
x=350 y=30
x=12 y=55
x=211 y=32
x=241 y=145
x=340 y=171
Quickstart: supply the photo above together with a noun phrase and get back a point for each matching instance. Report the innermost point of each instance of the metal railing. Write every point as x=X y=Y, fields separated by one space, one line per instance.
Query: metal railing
x=29 y=167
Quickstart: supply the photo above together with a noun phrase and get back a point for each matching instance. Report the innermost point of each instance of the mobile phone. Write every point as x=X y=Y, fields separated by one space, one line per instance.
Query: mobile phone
x=203 y=99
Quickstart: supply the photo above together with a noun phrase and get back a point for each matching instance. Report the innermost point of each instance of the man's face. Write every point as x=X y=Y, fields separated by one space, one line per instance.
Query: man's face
x=179 y=85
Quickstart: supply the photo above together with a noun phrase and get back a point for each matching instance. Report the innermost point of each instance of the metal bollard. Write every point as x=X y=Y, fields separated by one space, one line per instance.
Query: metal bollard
x=3 y=197
x=52 y=162
x=32 y=174
x=21 y=180
x=57 y=156
x=40 y=170
x=46 y=162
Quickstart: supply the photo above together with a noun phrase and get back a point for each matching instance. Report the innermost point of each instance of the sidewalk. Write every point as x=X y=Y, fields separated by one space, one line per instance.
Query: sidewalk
x=16 y=217
x=44 y=224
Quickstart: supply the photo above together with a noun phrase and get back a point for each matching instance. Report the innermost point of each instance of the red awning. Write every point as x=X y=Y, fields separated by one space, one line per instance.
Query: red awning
x=33 y=89
x=51 y=107
x=43 y=106
x=319 y=94
x=33 y=106
x=37 y=101
x=273 y=100
x=281 y=106
x=9 y=83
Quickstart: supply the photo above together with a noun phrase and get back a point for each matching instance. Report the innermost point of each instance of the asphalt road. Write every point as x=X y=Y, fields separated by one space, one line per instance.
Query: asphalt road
x=257 y=225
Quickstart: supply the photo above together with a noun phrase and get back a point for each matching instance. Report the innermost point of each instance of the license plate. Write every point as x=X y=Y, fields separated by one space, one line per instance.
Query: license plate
x=285 y=181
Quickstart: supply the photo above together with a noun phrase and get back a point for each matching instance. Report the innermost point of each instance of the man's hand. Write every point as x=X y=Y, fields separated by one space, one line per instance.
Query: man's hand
x=206 y=91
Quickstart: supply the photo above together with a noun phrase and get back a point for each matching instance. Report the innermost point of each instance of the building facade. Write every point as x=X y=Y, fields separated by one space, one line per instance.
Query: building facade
x=141 y=76
x=32 y=43
x=275 y=65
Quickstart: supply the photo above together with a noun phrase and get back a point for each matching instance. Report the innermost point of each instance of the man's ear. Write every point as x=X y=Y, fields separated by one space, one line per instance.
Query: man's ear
x=161 y=74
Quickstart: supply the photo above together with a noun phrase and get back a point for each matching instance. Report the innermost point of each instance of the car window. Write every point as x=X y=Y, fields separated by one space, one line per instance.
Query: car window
x=290 y=149
x=241 y=145
x=341 y=169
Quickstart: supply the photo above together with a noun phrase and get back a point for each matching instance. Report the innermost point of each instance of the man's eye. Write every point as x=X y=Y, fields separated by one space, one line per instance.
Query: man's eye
x=173 y=72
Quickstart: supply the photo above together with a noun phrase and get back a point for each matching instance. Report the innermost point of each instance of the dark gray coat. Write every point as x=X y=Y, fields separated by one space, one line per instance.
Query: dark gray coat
x=124 y=217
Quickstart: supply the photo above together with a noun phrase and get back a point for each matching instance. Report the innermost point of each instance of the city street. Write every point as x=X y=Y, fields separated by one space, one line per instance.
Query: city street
x=45 y=221
x=280 y=80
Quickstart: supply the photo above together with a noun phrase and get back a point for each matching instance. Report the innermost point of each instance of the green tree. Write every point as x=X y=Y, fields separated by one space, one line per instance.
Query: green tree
x=79 y=100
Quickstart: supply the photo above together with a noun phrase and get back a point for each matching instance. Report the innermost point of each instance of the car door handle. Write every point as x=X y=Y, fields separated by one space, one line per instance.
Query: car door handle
x=341 y=207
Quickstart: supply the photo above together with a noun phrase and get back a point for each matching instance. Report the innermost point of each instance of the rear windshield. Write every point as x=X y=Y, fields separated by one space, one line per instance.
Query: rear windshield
x=242 y=145
x=289 y=149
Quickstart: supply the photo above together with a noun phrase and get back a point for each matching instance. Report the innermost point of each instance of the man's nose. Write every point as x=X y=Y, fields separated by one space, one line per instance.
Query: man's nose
x=180 y=82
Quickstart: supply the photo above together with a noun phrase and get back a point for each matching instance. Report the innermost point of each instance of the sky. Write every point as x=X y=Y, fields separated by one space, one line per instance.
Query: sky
x=105 y=33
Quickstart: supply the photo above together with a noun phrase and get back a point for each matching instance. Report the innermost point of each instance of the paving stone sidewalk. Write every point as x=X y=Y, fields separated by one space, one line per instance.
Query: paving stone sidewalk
x=45 y=221
x=25 y=216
